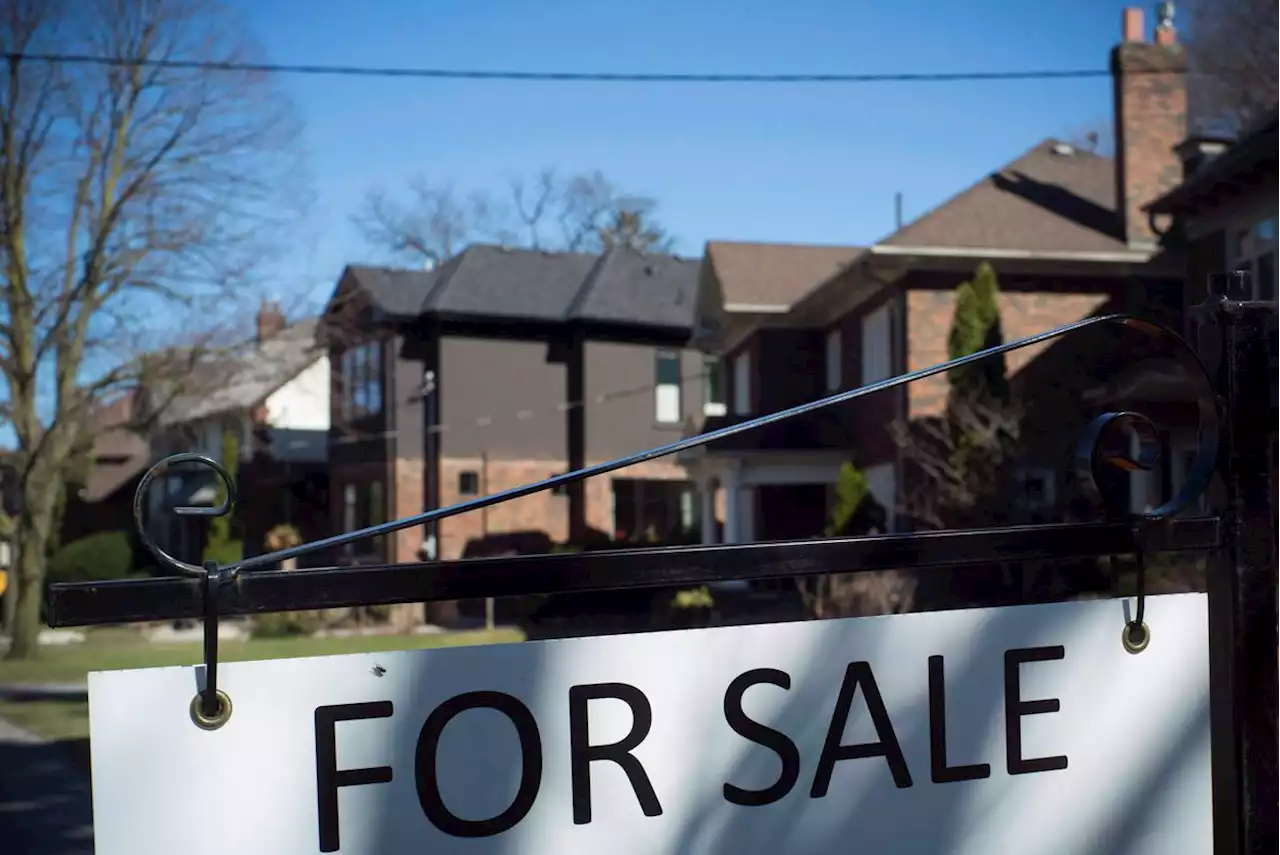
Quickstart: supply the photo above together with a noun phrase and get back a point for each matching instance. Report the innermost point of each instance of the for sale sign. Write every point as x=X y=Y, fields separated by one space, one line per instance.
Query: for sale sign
x=1027 y=729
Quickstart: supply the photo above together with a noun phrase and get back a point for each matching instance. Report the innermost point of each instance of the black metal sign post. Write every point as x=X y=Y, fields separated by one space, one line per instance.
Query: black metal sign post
x=1241 y=543
x=1242 y=584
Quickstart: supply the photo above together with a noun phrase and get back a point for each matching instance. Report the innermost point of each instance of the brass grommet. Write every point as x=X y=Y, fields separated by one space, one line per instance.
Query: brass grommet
x=1135 y=637
x=215 y=721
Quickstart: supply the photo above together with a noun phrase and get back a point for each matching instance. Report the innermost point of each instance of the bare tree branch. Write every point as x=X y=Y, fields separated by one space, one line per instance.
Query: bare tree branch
x=131 y=193
x=579 y=213
x=1232 y=51
x=942 y=493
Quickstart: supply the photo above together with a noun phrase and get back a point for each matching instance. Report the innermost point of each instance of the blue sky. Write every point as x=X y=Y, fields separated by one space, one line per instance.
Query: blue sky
x=805 y=163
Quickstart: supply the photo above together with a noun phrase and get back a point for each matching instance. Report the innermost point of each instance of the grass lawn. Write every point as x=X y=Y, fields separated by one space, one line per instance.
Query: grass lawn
x=114 y=649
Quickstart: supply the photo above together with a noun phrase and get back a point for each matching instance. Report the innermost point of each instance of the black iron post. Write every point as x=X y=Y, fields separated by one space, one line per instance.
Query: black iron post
x=1242 y=588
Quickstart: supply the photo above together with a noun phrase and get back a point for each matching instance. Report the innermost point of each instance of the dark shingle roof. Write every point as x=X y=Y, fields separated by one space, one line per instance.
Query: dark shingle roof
x=774 y=274
x=622 y=286
x=1054 y=197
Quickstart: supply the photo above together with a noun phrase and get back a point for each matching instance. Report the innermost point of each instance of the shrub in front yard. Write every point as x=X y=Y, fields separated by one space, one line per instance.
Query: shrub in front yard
x=286 y=624
x=95 y=558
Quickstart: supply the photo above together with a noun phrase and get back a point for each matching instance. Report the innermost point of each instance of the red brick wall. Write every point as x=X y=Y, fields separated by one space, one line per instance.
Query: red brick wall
x=539 y=512
x=1021 y=314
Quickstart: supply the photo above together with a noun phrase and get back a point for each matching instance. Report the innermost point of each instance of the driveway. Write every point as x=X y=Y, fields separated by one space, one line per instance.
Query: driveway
x=45 y=803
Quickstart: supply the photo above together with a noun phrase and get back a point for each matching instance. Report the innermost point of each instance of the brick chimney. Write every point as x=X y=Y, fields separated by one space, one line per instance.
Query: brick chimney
x=1150 y=87
x=270 y=320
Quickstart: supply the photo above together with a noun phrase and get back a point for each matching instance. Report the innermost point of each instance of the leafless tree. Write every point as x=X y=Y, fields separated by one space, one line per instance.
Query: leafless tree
x=583 y=212
x=134 y=191
x=958 y=464
x=1232 y=51
x=836 y=595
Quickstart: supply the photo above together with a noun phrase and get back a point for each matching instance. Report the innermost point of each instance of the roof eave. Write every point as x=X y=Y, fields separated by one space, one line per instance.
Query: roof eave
x=1126 y=256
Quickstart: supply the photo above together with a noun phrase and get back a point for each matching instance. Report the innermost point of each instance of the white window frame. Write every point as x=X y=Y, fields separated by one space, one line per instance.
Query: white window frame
x=835 y=356
x=877 y=349
x=667 y=406
x=1247 y=242
x=742 y=384
x=713 y=371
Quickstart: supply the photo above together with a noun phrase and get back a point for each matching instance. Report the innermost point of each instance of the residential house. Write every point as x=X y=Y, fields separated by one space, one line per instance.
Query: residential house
x=1223 y=212
x=1222 y=216
x=1066 y=231
x=117 y=459
x=502 y=367
x=272 y=395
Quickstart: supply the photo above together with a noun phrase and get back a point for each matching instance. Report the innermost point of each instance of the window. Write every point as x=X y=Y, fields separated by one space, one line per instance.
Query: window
x=834 y=354
x=666 y=391
x=362 y=380
x=712 y=387
x=877 y=346
x=742 y=384
x=363 y=505
x=1254 y=249
x=468 y=483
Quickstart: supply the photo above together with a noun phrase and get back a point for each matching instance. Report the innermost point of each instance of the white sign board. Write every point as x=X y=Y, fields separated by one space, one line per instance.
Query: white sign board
x=1026 y=729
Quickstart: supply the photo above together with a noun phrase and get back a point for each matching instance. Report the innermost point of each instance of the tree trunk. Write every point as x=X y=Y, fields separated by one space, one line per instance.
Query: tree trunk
x=11 y=593
x=32 y=537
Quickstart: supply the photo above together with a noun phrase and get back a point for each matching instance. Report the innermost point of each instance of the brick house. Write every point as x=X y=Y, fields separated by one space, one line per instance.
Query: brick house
x=502 y=367
x=1066 y=232
x=1222 y=213
x=1222 y=217
x=271 y=392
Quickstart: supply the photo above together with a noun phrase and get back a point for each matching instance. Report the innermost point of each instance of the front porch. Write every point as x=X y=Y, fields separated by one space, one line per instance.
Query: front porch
x=772 y=495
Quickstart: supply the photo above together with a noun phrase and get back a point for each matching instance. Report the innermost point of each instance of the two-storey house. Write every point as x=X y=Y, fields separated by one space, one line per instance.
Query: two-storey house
x=1066 y=233
x=502 y=367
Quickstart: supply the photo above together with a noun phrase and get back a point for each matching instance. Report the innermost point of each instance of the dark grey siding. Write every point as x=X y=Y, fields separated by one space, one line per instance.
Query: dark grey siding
x=503 y=398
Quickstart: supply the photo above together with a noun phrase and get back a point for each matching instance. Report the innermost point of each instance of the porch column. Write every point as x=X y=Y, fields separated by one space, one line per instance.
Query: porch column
x=707 y=492
x=732 y=506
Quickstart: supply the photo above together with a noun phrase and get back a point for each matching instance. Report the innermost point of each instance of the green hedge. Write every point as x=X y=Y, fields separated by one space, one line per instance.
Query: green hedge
x=95 y=558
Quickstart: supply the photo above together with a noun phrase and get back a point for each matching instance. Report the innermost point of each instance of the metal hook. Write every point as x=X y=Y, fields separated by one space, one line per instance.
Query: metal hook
x=140 y=494
x=211 y=707
x=1136 y=634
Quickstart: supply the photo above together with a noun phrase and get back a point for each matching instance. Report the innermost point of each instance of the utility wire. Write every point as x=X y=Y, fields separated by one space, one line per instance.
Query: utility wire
x=559 y=76
x=558 y=408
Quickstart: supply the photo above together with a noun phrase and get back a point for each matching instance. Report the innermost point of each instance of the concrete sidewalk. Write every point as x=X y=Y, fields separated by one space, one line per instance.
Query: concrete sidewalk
x=45 y=802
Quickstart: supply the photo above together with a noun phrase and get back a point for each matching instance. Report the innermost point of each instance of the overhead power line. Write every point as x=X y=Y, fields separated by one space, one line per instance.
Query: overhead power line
x=562 y=76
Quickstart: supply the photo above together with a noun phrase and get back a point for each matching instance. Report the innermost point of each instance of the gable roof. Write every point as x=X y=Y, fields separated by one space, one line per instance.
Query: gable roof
x=621 y=286
x=246 y=376
x=775 y=276
x=1052 y=198
x=119 y=454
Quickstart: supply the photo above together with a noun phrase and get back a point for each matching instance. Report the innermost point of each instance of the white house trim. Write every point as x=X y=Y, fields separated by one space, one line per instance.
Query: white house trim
x=1136 y=256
